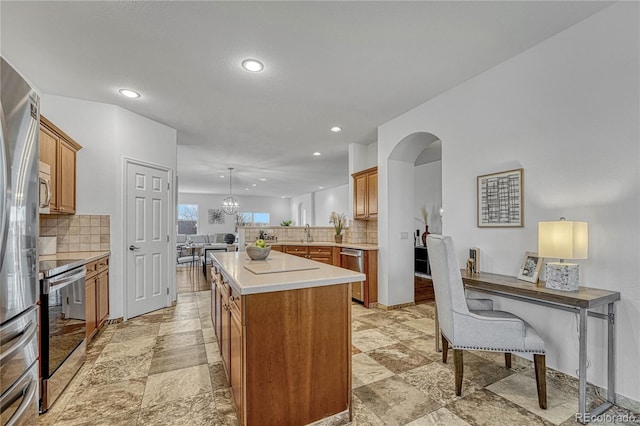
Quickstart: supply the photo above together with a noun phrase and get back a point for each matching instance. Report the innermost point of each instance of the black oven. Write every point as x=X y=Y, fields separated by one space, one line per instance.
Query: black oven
x=62 y=330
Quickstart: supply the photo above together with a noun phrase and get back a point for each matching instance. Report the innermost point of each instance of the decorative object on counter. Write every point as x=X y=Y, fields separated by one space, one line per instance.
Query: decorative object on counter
x=230 y=205
x=425 y=217
x=563 y=239
x=338 y=221
x=530 y=269
x=258 y=253
x=473 y=262
x=216 y=216
x=500 y=200
x=286 y=223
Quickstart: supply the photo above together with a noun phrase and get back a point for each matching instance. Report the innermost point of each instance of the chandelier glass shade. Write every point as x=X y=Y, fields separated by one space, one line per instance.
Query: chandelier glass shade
x=230 y=205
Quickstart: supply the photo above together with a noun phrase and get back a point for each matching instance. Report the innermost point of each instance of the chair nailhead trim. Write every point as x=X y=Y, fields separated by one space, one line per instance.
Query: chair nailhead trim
x=478 y=348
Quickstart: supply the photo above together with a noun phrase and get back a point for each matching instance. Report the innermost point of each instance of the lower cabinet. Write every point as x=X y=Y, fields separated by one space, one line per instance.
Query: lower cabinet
x=96 y=295
x=322 y=254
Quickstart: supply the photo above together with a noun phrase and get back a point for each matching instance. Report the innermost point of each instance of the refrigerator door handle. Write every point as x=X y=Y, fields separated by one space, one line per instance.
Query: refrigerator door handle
x=4 y=178
x=23 y=340
x=28 y=393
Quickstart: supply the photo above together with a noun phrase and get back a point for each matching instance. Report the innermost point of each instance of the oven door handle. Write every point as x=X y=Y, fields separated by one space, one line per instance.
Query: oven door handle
x=63 y=280
x=22 y=341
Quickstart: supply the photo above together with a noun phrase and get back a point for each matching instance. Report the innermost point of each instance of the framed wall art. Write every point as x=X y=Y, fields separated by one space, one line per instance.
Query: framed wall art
x=530 y=269
x=500 y=199
x=216 y=216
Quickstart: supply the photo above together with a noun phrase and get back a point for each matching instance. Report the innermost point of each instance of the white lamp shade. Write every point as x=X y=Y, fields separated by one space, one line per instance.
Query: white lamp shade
x=563 y=239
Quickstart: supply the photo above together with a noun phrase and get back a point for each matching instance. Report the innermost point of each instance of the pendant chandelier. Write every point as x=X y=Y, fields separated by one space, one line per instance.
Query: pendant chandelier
x=230 y=205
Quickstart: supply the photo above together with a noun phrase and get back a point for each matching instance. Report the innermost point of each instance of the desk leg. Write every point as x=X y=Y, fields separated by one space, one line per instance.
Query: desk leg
x=582 y=367
x=611 y=355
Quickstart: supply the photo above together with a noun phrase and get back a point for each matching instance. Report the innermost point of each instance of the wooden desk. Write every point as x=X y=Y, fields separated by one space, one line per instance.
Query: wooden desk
x=579 y=302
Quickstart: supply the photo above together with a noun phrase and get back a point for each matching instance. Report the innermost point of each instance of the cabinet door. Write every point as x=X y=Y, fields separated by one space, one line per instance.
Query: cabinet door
x=372 y=194
x=49 y=155
x=67 y=177
x=217 y=322
x=320 y=254
x=360 y=197
x=236 y=360
x=225 y=331
x=90 y=306
x=102 y=290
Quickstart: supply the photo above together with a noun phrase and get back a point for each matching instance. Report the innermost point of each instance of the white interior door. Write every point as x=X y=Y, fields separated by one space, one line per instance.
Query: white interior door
x=147 y=244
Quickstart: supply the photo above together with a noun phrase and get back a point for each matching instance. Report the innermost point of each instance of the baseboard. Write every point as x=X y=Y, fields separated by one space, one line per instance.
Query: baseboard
x=393 y=307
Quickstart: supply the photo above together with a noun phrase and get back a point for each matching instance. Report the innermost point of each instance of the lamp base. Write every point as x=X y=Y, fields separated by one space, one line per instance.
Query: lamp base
x=562 y=276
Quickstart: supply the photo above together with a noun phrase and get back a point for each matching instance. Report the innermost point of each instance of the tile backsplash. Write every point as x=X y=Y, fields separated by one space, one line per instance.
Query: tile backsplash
x=358 y=232
x=78 y=233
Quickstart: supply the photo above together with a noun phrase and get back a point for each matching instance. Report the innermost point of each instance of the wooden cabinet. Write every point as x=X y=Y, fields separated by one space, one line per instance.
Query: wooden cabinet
x=365 y=194
x=59 y=151
x=96 y=295
x=277 y=247
x=322 y=254
x=236 y=379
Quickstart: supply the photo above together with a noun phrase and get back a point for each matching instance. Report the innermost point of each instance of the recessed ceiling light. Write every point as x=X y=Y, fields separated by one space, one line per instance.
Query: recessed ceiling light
x=336 y=129
x=129 y=93
x=263 y=179
x=317 y=154
x=246 y=189
x=222 y=176
x=321 y=187
x=252 y=65
x=253 y=184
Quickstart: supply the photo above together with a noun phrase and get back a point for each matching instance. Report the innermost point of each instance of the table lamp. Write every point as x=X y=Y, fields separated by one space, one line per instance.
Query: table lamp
x=563 y=239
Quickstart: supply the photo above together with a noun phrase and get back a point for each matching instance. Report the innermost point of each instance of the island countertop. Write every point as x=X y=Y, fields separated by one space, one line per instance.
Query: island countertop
x=279 y=272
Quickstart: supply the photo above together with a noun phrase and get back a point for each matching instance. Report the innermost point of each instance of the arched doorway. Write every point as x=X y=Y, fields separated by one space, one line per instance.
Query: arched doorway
x=403 y=213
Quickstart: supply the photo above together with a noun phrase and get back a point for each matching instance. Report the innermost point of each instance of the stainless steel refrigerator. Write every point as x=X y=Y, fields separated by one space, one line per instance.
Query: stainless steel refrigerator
x=19 y=149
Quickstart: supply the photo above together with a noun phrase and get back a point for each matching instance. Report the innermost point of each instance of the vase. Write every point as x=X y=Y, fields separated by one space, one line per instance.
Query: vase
x=424 y=235
x=338 y=239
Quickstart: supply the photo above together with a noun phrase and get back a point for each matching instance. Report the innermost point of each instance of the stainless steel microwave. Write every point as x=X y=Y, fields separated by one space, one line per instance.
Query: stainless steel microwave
x=45 y=187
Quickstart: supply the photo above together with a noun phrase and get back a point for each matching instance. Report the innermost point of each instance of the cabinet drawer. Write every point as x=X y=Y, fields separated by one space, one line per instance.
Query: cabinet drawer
x=295 y=249
x=102 y=264
x=321 y=251
x=92 y=268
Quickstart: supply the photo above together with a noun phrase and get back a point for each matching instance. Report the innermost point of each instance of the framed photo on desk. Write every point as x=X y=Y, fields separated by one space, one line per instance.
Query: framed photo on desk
x=530 y=269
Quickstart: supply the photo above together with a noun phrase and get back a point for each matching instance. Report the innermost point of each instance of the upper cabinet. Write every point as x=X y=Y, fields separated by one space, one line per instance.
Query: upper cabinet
x=58 y=150
x=365 y=194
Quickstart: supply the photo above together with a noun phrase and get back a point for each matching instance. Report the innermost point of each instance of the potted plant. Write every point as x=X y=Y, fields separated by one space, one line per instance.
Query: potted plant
x=338 y=220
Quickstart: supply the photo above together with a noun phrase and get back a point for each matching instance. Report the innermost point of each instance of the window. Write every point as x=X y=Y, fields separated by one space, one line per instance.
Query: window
x=253 y=218
x=187 y=219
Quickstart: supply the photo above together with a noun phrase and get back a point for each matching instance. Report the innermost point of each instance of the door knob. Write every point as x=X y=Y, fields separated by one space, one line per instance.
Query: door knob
x=132 y=247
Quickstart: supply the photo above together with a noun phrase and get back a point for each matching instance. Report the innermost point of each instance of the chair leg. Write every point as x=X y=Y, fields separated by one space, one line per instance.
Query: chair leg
x=507 y=359
x=541 y=379
x=445 y=349
x=457 y=363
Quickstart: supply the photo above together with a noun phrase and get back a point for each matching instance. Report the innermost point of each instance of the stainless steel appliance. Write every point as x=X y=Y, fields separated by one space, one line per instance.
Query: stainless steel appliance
x=354 y=260
x=63 y=325
x=44 y=178
x=19 y=118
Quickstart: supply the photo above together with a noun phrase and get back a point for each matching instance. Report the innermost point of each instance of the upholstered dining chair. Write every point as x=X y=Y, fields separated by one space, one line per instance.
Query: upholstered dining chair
x=468 y=325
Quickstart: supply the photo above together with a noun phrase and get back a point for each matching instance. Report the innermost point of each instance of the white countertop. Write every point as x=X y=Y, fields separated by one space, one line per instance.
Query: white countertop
x=359 y=246
x=88 y=256
x=297 y=272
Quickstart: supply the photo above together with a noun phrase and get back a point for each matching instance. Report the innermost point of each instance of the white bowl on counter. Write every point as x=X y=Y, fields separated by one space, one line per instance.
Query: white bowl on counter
x=258 y=253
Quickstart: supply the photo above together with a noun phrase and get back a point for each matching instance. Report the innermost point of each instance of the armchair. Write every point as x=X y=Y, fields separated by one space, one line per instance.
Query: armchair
x=473 y=324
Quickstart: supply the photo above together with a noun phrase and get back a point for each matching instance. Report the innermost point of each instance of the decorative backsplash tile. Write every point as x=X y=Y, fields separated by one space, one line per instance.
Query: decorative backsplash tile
x=358 y=232
x=79 y=232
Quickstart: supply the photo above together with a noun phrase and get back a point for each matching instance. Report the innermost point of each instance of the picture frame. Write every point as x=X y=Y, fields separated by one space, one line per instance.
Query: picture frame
x=500 y=198
x=531 y=266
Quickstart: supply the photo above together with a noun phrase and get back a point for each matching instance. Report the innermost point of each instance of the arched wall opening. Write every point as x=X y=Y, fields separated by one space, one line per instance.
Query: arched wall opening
x=414 y=149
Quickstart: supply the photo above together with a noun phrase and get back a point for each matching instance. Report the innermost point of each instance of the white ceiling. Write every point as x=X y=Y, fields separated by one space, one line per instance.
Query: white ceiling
x=352 y=64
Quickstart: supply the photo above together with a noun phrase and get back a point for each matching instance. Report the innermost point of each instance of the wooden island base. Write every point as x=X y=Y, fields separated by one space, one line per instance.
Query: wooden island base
x=287 y=353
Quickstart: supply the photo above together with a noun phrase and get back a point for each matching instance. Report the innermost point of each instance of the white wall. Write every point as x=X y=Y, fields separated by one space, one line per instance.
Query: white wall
x=307 y=201
x=277 y=208
x=427 y=192
x=566 y=111
x=330 y=200
x=108 y=134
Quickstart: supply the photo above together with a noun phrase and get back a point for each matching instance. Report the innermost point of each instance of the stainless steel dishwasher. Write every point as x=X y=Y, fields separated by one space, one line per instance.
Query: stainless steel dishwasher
x=353 y=259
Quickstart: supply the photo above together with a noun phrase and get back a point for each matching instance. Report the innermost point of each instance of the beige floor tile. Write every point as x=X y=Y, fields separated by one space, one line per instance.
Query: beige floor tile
x=172 y=385
x=213 y=353
x=367 y=340
x=366 y=370
x=437 y=381
x=424 y=325
x=179 y=326
x=439 y=417
x=198 y=410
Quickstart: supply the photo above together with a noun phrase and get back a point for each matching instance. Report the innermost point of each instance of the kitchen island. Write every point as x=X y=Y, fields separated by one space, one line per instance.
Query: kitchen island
x=284 y=330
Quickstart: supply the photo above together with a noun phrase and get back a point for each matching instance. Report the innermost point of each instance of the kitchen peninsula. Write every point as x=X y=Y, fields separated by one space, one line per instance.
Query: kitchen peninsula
x=284 y=331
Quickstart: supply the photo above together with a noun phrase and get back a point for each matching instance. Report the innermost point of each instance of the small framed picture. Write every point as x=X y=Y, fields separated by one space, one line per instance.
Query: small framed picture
x=530 y=269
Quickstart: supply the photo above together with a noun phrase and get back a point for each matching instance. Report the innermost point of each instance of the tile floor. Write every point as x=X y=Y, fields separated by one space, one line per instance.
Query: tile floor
x=164 y=368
